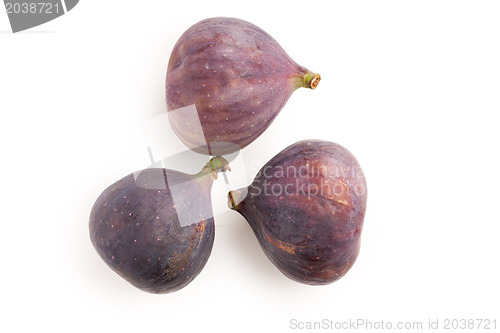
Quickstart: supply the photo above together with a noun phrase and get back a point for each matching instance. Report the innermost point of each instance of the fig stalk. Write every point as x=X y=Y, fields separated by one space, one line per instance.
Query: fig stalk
x=311 y=80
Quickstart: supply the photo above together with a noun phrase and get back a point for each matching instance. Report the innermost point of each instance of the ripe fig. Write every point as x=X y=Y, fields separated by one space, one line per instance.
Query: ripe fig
x=155 y=227
x=306 y=207
x=226 y=82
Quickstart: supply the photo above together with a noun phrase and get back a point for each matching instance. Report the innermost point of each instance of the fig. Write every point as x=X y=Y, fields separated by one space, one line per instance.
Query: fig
x=306 y=207
x=155 y=227
x=226 y=82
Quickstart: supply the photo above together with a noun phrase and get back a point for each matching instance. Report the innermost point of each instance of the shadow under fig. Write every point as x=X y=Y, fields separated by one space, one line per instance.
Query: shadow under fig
x=246 y=249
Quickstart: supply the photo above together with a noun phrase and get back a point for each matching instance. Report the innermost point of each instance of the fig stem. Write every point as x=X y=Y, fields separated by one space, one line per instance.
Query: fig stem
x=231 y=203
x=311 y=80
x=215 y=165
x=236 y=197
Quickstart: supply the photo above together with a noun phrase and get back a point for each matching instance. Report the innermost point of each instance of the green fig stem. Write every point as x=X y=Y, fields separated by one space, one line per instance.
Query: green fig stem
x=215 y=165
x=311 y=80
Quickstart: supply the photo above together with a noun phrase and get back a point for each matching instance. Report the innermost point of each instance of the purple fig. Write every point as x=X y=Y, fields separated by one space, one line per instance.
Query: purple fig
x=226 y=82
x=306 y=207
x=155 y=227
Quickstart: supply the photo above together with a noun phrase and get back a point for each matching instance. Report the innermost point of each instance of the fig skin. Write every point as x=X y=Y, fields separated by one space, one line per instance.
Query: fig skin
x=238 y=78
x=155 y=244
x=306 y=207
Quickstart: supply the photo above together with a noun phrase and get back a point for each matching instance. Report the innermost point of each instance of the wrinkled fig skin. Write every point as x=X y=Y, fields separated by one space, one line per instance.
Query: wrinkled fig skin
x=306 y=206
x=237 y=76
x=137 y=230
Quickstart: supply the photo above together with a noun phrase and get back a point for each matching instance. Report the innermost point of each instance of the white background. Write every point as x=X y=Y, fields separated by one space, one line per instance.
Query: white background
x=411 y=88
